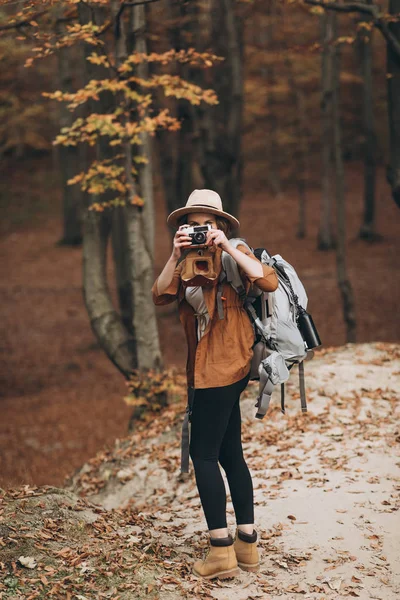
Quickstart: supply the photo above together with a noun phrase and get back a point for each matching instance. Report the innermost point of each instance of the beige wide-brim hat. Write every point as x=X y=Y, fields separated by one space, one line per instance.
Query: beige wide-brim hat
x=202 y=201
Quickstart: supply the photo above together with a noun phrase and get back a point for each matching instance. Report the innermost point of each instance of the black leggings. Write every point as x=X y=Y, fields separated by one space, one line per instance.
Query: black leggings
x=216 y=437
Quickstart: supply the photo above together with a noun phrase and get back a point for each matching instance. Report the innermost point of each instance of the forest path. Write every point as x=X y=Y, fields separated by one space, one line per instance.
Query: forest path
x=327 y=494
x=327 y=486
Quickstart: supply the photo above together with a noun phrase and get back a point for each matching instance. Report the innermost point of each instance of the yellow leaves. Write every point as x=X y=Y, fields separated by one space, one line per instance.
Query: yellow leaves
x=101 y=206
x=162 y=120
x=98 y=59
x=94 y=88
x=346 y=39
x=102 y=176
x=108 y=175
x=190 y=56
x=137 y=201
x=173 y=85
x=75 y=33
x=132 y=113
x=135 y=401
x=148 y=387
x=317 y=10
x=77 y=179
x=365 y=25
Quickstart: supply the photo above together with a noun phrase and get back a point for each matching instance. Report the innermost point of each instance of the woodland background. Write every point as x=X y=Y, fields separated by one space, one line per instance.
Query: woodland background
x=270 y=147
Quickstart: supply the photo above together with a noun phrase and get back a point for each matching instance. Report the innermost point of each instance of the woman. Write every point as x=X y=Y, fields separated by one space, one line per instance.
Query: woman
x=218 y=366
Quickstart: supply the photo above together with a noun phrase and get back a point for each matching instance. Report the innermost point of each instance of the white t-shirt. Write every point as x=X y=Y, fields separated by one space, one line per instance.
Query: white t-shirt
x=194 y=295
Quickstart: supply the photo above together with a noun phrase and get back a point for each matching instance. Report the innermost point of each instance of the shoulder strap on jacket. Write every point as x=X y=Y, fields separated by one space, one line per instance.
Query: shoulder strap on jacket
x=229 y=265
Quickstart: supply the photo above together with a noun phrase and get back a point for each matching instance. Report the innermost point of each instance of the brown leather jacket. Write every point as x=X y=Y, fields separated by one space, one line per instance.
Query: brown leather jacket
x=223 y=355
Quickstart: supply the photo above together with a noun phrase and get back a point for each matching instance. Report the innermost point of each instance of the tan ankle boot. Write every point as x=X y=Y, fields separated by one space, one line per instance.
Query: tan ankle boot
x=220 y=561
x=246 y=551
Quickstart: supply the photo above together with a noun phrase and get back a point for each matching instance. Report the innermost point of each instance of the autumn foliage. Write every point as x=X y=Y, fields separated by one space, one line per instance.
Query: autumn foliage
x=131 y=111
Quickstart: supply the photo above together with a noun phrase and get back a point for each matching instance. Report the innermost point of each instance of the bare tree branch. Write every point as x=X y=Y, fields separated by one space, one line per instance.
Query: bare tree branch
x=139 y=3
x=24 y=22
x=368 y=9
x=349 y=7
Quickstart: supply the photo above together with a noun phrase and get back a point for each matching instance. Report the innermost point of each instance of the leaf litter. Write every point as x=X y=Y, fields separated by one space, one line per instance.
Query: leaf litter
x=128 y=525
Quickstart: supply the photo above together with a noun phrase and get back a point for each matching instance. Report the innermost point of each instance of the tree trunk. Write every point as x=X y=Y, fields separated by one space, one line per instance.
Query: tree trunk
x=107 y=325
x=393 y=72
x=119 y=237
x=134 y=227
x=175 y=151
x=343 y=281
x=141 y=234
x=69 y=156
x=115 y=340
x=145 y=170
x=302 y=151
x=367 y=230
x=217 y=129
x=328 y=35
x=272 y=105
x=121 y=267
x=207 y=152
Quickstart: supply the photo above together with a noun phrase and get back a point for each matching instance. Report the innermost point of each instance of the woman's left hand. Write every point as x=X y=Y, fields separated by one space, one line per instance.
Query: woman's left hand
x=218 y=237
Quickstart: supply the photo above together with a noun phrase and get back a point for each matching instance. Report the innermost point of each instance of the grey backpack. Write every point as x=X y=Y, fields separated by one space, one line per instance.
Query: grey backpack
x=279 y=343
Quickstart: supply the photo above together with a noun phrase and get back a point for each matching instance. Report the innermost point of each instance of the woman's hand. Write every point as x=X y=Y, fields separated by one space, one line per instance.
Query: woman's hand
x=218 y=237
x=181 y=241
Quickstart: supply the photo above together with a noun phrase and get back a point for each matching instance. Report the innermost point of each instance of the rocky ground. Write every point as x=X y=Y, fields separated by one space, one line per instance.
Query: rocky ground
x=327 y=493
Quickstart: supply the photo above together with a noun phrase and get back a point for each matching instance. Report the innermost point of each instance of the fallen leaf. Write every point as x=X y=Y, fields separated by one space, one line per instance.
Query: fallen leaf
x=333 y=582
x=27 y=561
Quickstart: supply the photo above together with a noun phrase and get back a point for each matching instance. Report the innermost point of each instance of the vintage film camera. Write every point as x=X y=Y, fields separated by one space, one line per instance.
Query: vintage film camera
x=198 y=267
x=198 y=233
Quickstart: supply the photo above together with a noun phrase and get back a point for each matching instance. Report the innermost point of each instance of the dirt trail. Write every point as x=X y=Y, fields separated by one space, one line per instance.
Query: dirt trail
x=327 y=485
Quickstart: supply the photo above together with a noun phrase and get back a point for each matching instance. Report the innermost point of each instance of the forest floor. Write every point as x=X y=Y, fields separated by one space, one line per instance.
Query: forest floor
x=61 y=399
x=327 y=500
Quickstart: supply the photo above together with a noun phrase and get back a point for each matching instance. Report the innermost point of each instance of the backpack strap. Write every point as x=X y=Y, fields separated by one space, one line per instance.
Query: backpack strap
x=220 y=306
x=185 y=440
x=232 y=275
x=229 y=265
x=302 y=387
x=257 y=321
x=265 y=392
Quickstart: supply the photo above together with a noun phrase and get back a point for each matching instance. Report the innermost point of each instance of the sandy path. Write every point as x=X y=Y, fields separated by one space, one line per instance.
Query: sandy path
x=327 y=485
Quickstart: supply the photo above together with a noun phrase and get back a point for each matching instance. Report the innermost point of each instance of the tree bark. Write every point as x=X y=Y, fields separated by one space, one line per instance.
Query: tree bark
x=328 y=36
x=343 y=280
x=115 y=340
x=107 y=325
x=207 y=152
x=69 y=156
x=302 y=151
x=177 y=159
x=393 y=72
x=145 y=170
x=133 y=231
x=272 y=151
x=367 y=230
x=217 y=129
x=141 y=234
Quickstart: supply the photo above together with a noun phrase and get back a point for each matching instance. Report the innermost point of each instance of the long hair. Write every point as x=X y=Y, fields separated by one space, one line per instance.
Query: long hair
x=222 y=223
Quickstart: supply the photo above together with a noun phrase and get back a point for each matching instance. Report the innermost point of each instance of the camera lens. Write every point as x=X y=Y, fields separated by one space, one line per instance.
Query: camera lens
x=199 y=238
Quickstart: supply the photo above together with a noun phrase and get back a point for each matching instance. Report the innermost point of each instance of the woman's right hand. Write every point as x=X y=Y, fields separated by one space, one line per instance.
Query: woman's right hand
x=181 y=241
